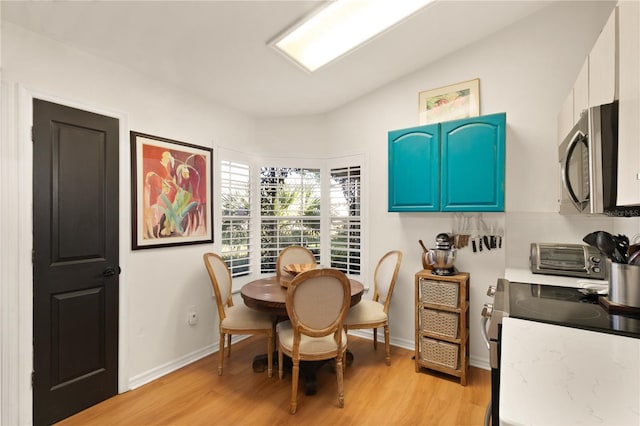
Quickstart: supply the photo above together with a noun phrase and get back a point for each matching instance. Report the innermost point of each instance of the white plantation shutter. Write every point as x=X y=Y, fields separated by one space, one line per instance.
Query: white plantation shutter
x=235 y=182
x=345 y=228
x=289 y=210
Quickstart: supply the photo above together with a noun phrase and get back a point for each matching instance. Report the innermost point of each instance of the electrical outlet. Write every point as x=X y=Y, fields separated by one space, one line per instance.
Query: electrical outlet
x=192 y=316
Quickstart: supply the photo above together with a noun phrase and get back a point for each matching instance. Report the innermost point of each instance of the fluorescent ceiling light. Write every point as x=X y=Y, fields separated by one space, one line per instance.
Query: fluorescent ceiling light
x=340 y=27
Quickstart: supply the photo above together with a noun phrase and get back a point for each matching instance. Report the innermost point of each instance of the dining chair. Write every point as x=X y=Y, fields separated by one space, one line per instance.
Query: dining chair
x=236 y=319
x=374 y=313
x=317 y=303
x=292 y=255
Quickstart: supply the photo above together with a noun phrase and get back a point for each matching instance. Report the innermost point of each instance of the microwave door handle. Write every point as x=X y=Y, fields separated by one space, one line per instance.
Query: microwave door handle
x=566 y=182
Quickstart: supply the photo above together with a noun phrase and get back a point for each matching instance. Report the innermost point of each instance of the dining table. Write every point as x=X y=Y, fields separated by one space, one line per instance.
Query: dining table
x=269 y=294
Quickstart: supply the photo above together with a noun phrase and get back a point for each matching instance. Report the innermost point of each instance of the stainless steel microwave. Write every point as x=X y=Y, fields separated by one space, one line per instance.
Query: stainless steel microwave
x=588 y=159
x=571 y=260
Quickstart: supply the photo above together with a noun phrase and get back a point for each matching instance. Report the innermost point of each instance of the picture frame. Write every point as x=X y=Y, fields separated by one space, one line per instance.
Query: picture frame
x=461 y=100
x=171 y=192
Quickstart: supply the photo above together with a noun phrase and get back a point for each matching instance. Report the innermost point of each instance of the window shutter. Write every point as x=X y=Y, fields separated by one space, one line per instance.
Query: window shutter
x=345 y=219
x=290 y=212
x=235 y=183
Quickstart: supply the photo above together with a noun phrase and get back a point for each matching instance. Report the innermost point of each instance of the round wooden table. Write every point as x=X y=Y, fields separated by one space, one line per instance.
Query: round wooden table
x=269 y=295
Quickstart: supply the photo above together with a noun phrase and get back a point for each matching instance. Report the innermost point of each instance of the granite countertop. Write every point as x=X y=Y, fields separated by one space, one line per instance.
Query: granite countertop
x=556 y=375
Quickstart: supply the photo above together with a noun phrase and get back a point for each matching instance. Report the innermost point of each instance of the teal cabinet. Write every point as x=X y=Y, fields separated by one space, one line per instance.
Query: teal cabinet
x=451 y=166
x=414 y=173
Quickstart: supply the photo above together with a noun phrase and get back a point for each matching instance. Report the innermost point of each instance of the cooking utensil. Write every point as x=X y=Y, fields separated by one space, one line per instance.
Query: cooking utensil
x=623 y=246
x=425 y=254
x=623 y=285
x=608 y=246
x=634 y=259
x=591 y=239
x=632 y=250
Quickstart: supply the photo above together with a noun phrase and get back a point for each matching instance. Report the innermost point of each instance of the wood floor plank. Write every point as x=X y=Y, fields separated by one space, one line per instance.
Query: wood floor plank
x=375 y=394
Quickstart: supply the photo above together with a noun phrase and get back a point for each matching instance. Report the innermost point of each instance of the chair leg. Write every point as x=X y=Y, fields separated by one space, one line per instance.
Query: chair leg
x=340 y=374
x=270 y=354
x=280 y=369
x=221 y=353
x=375 y=338
x=229 y=344
x=294 y=385
x=386 y=345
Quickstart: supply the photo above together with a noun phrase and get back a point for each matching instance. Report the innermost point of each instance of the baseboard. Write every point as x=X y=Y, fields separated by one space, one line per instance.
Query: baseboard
x=478 y=362
x=169 y=367
x=368 y=334
x=474 y=361
x=156 y=373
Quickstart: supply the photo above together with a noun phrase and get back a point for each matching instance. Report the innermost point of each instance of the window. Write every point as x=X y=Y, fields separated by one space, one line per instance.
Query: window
x=290 y=212
x=345 y=219
x=235 y=182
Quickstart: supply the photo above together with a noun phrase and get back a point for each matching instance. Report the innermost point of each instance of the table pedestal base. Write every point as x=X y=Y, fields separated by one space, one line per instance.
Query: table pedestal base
x=308 y=369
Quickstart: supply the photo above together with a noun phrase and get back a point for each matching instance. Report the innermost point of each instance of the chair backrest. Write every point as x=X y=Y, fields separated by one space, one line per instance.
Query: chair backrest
x=291 y=255
x=220 y=277
x=317 y=303
x=385 y=277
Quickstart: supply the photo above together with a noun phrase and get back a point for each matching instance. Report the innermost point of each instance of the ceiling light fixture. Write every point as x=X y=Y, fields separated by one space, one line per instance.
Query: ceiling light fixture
x=340 y=27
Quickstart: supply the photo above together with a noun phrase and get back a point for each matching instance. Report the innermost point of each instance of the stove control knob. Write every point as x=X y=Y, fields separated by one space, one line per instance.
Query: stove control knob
x=487 y=310
x=595 y=259
x=491 y=291
x=596 y=269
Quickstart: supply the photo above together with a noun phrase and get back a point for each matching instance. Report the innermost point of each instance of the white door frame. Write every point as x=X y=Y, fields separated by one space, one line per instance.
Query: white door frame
x=17 y=321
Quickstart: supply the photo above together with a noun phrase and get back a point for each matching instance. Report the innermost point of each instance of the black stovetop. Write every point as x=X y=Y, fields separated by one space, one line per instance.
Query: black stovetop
x=568 y=307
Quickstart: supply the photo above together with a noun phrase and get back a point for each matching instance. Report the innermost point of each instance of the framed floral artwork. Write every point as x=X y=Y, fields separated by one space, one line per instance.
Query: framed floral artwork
x=460 y=100
x=171 y=192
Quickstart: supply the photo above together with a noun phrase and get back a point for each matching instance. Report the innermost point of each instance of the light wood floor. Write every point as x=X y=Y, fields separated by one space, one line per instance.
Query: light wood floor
x=375 y=394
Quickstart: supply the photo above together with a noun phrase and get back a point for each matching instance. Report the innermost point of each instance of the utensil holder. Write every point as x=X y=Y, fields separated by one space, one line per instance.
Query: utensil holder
x=624 y=284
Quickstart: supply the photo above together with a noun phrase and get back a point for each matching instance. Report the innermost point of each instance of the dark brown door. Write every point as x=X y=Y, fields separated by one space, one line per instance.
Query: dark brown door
x=75 y=260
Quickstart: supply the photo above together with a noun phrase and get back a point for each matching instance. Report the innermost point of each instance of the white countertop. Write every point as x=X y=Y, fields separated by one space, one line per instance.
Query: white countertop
x=526 y=276
x=553 y=375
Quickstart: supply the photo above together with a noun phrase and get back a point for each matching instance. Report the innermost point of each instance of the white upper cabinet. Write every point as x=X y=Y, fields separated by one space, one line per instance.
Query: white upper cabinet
x=602 y=65
x=596 y=81
x=581 y=92
x=565 y=117
x=629 y=96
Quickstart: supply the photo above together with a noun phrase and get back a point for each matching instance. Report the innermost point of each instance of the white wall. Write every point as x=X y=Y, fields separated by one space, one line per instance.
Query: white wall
x=158 y=285
x=526 y=71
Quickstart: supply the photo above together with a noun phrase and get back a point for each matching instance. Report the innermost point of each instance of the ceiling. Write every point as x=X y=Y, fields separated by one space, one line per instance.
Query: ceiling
x=218 y=49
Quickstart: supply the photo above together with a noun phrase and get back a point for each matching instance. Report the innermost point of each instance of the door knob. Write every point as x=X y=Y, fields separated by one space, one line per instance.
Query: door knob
x=111 y=271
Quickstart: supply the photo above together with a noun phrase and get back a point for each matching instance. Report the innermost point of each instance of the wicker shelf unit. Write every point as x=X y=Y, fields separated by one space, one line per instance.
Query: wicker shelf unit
x=442 y=323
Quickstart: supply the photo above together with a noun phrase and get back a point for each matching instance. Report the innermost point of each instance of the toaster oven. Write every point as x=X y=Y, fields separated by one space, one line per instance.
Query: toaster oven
x=570 y=260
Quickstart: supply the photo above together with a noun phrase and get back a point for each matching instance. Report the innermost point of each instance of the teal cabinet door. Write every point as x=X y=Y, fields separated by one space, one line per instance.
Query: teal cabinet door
x=472 y=167
x=414 y=169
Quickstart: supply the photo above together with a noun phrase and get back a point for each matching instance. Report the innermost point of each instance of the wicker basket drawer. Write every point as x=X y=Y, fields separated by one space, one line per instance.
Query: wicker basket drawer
x=444 y=323
x=438 y=352
x=439 y=293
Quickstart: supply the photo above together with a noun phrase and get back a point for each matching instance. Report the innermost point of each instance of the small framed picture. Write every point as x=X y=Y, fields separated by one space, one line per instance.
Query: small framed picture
x=460 y=100
x=171 y=192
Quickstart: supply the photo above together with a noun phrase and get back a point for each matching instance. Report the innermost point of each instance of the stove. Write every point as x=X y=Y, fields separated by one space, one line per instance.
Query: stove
x=565 y=306
x=562 y=306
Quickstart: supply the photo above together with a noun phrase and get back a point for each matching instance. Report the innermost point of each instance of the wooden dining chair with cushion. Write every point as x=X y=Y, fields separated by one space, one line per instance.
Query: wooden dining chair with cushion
x=236 y=319
x=293 y=255
x=374 y=313
x=317 y=303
